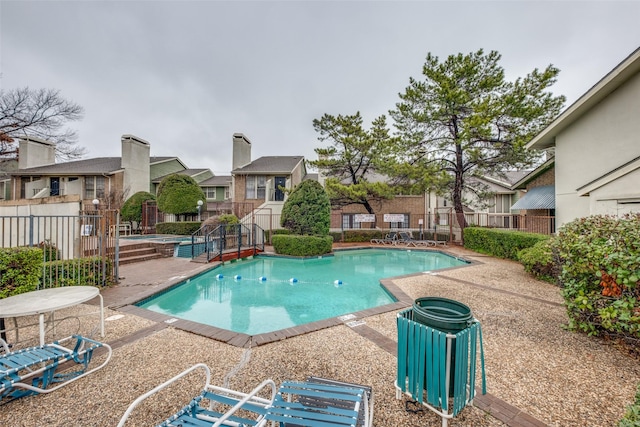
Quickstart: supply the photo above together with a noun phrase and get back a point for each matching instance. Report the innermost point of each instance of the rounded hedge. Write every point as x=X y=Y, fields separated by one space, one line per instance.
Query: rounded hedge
x=285 y=244
x=307 y=211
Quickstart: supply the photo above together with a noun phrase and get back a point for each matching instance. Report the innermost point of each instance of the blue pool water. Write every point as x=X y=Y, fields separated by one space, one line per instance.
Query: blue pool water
x=267 y=293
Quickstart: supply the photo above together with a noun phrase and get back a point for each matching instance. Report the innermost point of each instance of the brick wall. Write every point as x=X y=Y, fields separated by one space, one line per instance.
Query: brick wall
x=547 y=178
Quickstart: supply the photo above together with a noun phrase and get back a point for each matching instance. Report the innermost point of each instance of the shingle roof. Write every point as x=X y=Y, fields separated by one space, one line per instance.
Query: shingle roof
x=96 y=165
x=188 y=172
x=217 y=181
x=270 y=165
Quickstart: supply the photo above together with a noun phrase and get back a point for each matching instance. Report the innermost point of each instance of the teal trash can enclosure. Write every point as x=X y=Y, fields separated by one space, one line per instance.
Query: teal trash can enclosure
x=445 y=315
x=437 y=368
x=442 y=314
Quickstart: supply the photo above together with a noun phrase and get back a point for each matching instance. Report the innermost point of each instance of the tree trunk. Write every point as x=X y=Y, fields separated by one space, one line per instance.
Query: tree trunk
x=457 y=191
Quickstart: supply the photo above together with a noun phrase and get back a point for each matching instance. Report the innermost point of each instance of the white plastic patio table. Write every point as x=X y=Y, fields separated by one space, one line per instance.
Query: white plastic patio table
x=47 y=301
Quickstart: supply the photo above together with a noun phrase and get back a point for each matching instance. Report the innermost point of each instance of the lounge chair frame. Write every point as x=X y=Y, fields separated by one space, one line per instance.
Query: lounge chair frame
x=36 y=369
x=194 y=414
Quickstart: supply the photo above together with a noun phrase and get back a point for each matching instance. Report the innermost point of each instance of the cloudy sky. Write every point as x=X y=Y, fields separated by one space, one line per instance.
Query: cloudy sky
x=186 y=75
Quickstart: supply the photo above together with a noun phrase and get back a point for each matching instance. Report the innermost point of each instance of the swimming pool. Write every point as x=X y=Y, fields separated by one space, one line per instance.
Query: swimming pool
x=269 y=293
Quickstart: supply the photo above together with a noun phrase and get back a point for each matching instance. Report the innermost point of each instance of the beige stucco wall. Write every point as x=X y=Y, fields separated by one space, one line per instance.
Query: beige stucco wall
x=34 y=152
x=618 y=197
x=605 y=138
x=135 y=162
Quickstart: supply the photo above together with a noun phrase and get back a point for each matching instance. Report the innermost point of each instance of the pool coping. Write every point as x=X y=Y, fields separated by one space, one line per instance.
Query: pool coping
x=238 y=339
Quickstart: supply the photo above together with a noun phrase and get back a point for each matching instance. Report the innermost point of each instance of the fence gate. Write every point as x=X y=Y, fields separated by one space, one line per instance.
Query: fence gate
x=77 y=249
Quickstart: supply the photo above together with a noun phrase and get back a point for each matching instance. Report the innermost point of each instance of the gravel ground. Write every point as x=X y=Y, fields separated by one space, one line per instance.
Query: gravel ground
x=559 y=377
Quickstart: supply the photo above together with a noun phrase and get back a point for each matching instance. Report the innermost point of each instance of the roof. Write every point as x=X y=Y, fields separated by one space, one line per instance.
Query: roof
x=217 y=181
x=96 y=165
x=616 y=78
x=503 y=183
x=537 y=198
x=521 y=184
x=270 y=165
x=609 y=177
x=188 y=172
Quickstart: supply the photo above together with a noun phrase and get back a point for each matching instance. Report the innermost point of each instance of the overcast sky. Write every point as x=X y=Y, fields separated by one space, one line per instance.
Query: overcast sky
x=186 y=75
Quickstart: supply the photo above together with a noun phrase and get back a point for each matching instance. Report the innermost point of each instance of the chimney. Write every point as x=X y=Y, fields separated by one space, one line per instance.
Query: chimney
x=135 y=163
x=33 y=152
x=241 y=151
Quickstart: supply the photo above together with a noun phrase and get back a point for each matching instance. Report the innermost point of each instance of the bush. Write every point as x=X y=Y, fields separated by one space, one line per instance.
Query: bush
x=632 y=416
x=538 y=261
x=179 y=195
x=336 y=236
x=499 y=243
x=228 y=219
x=301 y=245
x=600 y=258
x=186 y=228
x=20 y=270
x=51 y=253
x=307 y=211
x=79 y=272
x=132 y=208
x=362 y=235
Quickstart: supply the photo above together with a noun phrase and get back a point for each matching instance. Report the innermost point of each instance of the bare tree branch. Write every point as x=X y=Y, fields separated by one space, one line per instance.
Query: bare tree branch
x=41 y=113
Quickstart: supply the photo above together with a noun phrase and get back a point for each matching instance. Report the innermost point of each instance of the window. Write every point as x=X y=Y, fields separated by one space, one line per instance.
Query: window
x=262 y=187
x=403 y=224
x=227 y=193
x=94 y=187
x=256 y=187
x=348 y=221
x=210 y=192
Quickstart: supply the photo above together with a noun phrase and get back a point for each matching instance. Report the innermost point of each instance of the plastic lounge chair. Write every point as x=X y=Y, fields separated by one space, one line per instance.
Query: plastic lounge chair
x=407 y=239
x=389 y=238
x=223 y=408
x=321 y=403
x=35 y=370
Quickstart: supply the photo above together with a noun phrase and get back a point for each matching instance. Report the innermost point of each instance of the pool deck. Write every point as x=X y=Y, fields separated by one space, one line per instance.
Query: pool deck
x=538 y=372
x=137 y=284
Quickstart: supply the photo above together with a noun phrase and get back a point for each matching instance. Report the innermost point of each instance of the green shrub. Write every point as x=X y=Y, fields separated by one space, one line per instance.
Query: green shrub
x=538 y=261
x=499 y=243
x=269 y=233
x=228 y=219
x=307 y=210
x=51 y=253
x=632 y=416
x=600 y=258
x=337 y=236
x=430 y=235
x=132 y=208
x=295 y=245
x=186 y=228
x=362 y=235
x=79 y=272
x=20 y=270
x=179 y=195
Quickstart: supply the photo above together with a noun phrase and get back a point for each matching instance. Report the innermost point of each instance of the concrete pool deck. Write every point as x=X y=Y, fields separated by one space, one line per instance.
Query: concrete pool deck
x=537 y=372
